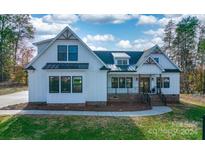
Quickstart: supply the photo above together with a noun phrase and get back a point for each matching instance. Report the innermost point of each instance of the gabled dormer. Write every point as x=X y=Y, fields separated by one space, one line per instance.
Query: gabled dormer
x=121 y=58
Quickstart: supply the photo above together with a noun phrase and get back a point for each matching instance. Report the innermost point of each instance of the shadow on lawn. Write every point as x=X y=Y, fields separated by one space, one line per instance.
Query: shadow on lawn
x=69 y=127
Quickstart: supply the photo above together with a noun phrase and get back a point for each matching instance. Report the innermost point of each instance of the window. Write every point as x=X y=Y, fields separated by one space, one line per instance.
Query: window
x=62 y=53
x=77 y=84
x=114 y=82
x=65 y=84
x=129 y=82
x=73 y=52
x=122 y=62
x=53 y=84
x=156 y=59
x=121 y=82
x=165 y=83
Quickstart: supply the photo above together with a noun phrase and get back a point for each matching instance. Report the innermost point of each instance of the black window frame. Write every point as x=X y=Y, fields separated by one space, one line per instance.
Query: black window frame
x=122 y=84
x=116 y=83
x=71 y=53
x=131 y=83
x=81 y=89
x=58 y=53
x=50 y=90
x=69 y=84
x=165 y=83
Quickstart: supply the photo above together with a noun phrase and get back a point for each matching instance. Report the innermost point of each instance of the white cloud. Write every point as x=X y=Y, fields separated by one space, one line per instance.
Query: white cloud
x=156 y=33
x=45 y=30
x=147 y=19
x=125 y=44
x=99 y=38
x=107 y=18
x=60 y=18
x=97 y=48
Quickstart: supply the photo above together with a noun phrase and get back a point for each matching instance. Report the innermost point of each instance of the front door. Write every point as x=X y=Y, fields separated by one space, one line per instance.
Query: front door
x=145 y=85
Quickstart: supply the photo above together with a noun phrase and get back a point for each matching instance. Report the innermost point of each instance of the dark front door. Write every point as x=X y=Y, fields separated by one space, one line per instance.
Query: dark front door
x=145 y=85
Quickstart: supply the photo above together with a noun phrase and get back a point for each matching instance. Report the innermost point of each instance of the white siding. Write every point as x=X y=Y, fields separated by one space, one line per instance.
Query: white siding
x=94 y=80
x=163 y=61
x=174 y=83
x=149 y=69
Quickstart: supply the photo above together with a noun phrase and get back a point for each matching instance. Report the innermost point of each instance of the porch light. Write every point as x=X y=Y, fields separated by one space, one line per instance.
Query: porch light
x=152 y=79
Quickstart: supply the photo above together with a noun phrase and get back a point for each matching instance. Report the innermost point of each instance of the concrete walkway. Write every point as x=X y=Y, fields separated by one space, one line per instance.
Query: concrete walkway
x=155 y=111
x=14 y=98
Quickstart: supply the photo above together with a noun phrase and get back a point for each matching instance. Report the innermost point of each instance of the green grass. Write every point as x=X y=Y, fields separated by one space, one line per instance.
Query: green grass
x=183 y=123
x=10 y=90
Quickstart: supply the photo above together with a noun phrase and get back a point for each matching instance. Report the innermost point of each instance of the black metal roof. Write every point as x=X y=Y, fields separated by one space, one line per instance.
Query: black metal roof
x=30 y=68
x=172 y=70
x=66 y=66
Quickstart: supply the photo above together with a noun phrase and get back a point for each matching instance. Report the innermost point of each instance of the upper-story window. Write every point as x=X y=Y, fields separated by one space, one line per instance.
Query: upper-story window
x=72 y=52
x=156 y=59
x=122 y=62
x=62 y=53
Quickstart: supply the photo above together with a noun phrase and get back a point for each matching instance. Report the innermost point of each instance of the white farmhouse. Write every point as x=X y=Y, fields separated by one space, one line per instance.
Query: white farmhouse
x=66 y=70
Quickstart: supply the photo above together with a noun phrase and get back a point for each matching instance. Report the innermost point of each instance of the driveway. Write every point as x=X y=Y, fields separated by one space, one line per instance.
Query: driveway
x=15 y=98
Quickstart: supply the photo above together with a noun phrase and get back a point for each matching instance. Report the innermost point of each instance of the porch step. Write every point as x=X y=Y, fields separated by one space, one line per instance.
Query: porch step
x=155 y=100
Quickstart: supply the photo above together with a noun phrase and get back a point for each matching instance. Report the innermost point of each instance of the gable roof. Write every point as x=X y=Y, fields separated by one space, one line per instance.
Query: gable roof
x=51 y=42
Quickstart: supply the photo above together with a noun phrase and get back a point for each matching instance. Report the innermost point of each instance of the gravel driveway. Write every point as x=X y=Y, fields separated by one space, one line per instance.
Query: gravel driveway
x=15 y=98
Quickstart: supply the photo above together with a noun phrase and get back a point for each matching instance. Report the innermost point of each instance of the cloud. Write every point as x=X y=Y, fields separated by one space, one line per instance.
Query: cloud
x=97 y=48
x=147 y=19
x=156 y=33
x=60 y=18
x=125 y=44
x=98 y=38
x=107 y=18
x=45 y=30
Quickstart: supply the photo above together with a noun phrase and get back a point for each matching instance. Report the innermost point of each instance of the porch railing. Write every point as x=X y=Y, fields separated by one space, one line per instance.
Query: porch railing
x=132 y=90
x=163 y=98
x=146 y=99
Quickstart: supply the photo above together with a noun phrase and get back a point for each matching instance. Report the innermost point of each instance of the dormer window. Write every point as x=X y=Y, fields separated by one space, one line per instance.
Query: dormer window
x=121 y=58
x=122 y=61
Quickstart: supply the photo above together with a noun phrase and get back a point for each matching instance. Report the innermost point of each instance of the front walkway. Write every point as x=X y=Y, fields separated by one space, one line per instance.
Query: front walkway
x=154 y=111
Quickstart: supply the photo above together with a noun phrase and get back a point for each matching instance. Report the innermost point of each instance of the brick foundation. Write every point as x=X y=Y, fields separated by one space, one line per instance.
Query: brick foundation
x=171 y=99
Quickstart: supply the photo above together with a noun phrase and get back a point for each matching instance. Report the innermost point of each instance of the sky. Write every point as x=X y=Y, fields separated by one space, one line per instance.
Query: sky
x=135 y=32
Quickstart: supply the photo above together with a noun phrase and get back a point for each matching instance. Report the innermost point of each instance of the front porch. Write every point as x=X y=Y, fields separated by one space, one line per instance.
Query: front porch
x=135 y=88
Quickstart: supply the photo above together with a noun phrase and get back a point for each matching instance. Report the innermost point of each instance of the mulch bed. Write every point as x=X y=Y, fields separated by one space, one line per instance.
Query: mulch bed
x=110 y=107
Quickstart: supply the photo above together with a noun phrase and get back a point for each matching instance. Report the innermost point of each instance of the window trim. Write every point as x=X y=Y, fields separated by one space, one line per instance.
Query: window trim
x=81 y=84
x=61 y=84
x=58 y=52
x=162 y=82
x=117 y=82
x=72 y=53
x=58 y=85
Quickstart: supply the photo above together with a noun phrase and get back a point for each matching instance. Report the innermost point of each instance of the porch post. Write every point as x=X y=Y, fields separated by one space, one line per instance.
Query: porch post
x=160 y=85
x=139 y=83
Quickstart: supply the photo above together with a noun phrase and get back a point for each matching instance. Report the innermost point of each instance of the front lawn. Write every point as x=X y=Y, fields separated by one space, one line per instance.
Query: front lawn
x=183 y=123
x=9 y=90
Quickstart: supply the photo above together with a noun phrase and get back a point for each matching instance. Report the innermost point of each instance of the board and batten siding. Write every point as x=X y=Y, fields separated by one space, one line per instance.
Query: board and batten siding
x=94 y=79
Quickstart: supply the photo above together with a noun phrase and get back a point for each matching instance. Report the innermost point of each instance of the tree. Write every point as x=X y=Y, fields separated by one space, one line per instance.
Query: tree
x=169 y=38
x=6 y=37
x=185 y=47
x=201 y=52
x=23 y=30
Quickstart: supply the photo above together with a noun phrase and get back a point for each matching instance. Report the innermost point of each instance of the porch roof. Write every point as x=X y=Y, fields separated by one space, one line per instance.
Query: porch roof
x=66 y=66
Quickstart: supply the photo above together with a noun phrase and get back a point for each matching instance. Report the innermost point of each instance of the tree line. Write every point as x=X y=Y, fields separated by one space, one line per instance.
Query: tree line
x=184 y=43
x=15 y=33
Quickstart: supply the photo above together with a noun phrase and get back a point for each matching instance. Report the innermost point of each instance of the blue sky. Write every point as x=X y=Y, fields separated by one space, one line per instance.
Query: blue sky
x=106 y=31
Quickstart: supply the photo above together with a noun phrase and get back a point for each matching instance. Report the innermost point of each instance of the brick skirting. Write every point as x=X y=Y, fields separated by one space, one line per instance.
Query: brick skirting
x=172 y=98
